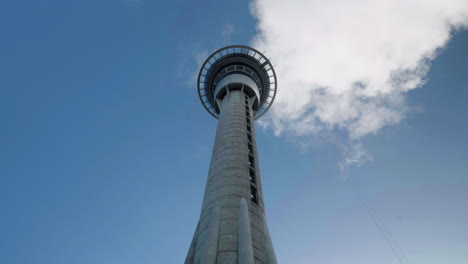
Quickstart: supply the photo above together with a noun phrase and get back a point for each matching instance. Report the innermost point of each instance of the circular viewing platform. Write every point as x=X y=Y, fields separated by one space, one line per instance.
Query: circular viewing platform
x=227 y=68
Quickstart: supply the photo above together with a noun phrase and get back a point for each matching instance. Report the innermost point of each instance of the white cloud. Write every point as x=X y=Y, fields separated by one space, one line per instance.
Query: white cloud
x=347 y=64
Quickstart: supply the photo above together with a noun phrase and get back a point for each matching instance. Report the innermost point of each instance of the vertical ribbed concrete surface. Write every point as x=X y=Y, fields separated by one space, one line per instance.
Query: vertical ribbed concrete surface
x=229 y=180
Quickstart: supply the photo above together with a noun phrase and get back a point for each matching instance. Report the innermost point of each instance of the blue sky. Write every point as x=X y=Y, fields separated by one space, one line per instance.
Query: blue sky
x=105 y=146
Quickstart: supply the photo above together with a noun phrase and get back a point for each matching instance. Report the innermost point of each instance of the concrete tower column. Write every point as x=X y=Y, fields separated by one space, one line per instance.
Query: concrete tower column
x=233 y=175
x=232 y=225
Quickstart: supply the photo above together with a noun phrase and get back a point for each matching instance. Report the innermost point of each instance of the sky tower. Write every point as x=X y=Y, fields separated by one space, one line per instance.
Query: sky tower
x=236 y=85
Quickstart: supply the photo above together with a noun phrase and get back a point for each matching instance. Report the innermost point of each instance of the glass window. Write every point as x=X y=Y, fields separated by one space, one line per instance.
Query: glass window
x=253 y=194
x=252 y=175
x=251 y=160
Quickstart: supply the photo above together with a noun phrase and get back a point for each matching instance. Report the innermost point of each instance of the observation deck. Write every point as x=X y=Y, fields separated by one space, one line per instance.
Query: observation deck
x=237 y=67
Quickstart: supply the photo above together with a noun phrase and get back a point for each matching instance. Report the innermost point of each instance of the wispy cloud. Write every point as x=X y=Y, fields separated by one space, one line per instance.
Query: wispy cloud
x=347 y=65
x=353 y=154
x=135 y=1
x=227 y=32
x=200 y=56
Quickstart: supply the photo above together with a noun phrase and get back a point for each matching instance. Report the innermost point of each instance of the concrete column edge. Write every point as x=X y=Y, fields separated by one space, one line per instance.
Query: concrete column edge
x=244 y=236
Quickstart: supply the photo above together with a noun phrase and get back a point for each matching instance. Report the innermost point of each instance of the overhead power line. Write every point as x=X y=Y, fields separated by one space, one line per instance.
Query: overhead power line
x=379 y=224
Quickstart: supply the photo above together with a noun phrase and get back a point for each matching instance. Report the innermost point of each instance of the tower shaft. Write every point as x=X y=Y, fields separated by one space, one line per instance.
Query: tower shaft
x=232 y=225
